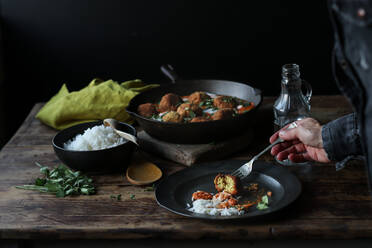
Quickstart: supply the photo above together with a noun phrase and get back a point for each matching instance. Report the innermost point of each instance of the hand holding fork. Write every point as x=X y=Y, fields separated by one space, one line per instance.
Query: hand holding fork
x=243 y=171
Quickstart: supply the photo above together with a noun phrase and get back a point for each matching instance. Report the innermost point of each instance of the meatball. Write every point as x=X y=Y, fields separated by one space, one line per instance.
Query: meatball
x=198 y=96
x=147 y=109
x=189 y=110
x=227 y=183
x=169 y=102
x=172 y=116
x=223 y=114
x=199 y=119
x=222 y=102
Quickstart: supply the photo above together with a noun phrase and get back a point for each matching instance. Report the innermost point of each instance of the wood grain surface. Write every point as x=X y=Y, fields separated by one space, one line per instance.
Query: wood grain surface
x=332 y=204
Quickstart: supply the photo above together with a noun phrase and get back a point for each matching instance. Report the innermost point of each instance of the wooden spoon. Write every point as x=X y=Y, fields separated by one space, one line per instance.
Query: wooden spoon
x=114 y=124
x=143 y=172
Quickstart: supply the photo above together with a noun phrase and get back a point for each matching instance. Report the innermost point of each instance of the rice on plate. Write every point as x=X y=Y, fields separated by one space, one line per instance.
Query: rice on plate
x=217 y=205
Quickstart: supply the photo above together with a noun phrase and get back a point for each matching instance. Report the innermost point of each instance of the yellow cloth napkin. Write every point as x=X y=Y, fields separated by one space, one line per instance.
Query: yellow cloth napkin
x=97 y=101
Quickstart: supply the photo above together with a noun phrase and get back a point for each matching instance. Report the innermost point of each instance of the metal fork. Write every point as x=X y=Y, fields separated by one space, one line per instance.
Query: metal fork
x=244 y=170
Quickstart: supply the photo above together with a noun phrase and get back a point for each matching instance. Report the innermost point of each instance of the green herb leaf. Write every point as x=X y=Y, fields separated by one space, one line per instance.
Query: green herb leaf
x=40 y=181
x=132 y=196
x=116 y=197
x=263 y=204
x=191 y=114
x=150 y=188
x=265 y=199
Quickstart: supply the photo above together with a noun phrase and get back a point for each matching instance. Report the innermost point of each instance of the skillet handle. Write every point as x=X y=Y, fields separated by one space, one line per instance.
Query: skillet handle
x=169 y=72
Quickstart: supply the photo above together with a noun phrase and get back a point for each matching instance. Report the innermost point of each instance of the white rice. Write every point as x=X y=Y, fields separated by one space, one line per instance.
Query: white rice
x=202 y=206
x=95 y=138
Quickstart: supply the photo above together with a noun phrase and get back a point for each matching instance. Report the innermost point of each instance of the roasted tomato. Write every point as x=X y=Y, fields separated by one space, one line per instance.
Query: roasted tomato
x=201 y=195
x=222 y=196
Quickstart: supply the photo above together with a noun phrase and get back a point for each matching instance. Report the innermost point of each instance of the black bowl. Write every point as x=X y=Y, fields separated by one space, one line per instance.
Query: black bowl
x=114 y=159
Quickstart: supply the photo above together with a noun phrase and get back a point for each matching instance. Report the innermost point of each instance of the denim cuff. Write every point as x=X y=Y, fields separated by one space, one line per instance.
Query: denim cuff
x=341 y=140
x=341 y=164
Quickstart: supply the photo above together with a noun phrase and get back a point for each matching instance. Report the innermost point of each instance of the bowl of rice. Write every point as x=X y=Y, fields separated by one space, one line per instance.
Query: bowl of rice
x=94 y=148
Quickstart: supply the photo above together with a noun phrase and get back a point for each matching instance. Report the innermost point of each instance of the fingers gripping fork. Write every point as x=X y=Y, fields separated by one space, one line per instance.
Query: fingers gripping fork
x=246 y=168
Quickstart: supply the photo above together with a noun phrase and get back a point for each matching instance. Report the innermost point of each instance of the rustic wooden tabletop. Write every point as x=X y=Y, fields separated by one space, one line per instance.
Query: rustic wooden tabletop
x=333 y=205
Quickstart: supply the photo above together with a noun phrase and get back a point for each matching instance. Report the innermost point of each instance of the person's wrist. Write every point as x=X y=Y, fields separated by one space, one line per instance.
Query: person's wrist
x=320 y=138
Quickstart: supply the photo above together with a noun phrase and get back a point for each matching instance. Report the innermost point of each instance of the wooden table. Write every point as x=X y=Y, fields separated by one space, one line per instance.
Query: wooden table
x=333 y=205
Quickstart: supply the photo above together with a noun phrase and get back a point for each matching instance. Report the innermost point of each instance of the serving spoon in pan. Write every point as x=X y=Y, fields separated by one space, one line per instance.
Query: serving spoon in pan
x=246 y=169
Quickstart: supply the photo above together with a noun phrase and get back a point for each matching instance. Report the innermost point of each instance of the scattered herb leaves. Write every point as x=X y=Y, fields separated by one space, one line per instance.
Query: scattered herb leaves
x=116 y=197
x=228 y=99
x=132 y=196
x=62 y=182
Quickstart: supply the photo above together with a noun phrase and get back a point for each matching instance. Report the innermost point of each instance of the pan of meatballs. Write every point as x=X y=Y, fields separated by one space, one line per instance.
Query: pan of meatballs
x=196 y=111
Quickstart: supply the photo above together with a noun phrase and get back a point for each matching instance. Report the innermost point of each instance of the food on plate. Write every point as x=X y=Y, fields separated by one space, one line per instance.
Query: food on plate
x=223 y=102
x=229 y=200
x=172 y=116
x=200 y=119
x=147 y=109
x=189 y=110
x=223 y=114
x=196 y=107
x=252 y=187
x=227 y=183
x=95 y=138
x=223 y=204
x=201 y=195
x=198 y=97
x=169 y=102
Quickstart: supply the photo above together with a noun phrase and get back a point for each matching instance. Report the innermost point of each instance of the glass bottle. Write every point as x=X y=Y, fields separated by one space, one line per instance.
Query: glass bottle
x=292 y=104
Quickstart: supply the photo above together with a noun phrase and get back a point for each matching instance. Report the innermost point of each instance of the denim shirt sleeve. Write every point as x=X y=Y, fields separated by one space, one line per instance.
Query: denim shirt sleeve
x=341 y=140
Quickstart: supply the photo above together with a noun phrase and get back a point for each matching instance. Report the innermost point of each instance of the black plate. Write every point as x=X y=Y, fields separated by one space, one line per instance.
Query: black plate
x=174 y=192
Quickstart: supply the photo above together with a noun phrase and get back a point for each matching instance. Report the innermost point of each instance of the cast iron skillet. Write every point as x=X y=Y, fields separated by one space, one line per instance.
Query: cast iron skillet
x=202 y=132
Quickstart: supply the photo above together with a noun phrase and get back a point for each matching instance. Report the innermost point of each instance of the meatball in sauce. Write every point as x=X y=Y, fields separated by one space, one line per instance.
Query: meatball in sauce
x=169 y=102
x=147 y=109
x=189 y=110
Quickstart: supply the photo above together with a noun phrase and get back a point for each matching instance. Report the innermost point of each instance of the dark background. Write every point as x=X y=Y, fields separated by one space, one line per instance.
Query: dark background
x=47 y=43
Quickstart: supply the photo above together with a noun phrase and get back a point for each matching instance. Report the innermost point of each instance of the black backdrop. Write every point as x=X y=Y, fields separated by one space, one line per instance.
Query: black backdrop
x=46 y=43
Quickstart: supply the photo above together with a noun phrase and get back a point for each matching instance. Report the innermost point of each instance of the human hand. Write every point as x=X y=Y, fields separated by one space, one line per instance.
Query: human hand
x=301 y=144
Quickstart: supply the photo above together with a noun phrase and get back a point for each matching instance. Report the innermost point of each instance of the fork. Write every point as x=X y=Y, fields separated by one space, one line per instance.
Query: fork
x=244 y=170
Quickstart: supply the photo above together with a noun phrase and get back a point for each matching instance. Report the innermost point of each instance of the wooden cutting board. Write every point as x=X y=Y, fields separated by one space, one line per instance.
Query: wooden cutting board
x=189 y=154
